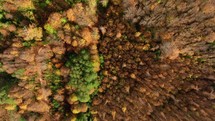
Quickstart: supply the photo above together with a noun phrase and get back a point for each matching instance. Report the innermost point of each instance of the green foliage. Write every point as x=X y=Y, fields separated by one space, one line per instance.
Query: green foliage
x=64 y=20
x=84 y=117
x=6 y=81
x=73 y=2
x=1 y=15
x=1 y=69
x=104 y=3
x=4 y=99
x=142 y=38
x=48 y=1
x=22 y=119
x=201 y=60
x=29 y=14
x=42 y=3
x=159 y=1
x=28 y=43
x=56 y=104
x=157 y=54
x=212 y=45
x=4 y=24
x=50 y=29
x=77 y=27
x=187 y=56
x=82 y=76
x=101 y=57
x=125 y=37
x=18 y=73
x=54 y=81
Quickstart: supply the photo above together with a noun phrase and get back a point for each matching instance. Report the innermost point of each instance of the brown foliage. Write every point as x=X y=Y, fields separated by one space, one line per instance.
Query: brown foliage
x=189 y=24
x=84 y=16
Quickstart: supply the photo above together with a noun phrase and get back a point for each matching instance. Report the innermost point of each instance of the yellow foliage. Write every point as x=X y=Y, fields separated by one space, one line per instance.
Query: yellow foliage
x=10 y=107
x=22 y=5
x=73 y=98
x=76 y=111
x=23 y=106
x=80 y=108
x=124 y=109
x=31 y=33
x=73 y=119
x=54 y=20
